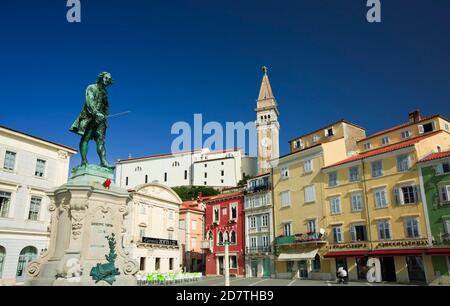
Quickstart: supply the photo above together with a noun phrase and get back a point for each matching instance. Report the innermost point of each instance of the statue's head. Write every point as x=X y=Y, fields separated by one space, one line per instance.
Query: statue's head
x=105 y=78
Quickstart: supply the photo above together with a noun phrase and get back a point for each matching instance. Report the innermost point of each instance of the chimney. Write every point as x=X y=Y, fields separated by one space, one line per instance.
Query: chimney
x=414 y=116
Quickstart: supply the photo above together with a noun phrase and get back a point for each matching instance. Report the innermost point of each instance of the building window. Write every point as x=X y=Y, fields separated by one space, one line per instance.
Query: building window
x=170 y=264
x=10 y=160
x=354 y=174
x=2 y=259
x=165 y=176
x=444 y=194
x=193 y=244
x=332 y=179
x=385 y=140
x=405 y=134
x=182 y=225
x=412 y=228
x=253 y=242
x=287 y=229
x=222 y=173
x=446 y=227
x=265 y=220
x=329 y=132
x=367 y=146
x=310 y=194
x=406 y=195
x=141 y=233
x=222 y=181
x=308 y=166
x=377 y=168
x=315 y=138
x=194 y=225
x=222 y=163
x=284 y=172
x=384 y=230
x=233 y=237
x=126 y=181
x=380 y=198
x=146 y=178
x=206 y=165
x=233 y=211
x=311 y=226
x=206 y=174
x=426 y=128
x=335 y=204
x=170 y=214
x=358 y=233
x=157 y=263
x=252 y=222
x=40 y=168
x=337 y=234
x=265 y=241
x=35 y=208
x=5 y=201
x=216 y=215
x=220 y=238
x=285 y=199
x=185 y=174
x=26 y=255
x=233 y=262
x=138 y=169
x=403 y=163
x=443 y=168
x=299 y=144
x=446 y=127
x=356 y=199
x=142 y=264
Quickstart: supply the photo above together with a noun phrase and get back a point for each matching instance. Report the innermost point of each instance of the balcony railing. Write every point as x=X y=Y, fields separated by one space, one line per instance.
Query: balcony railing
x=259 y=188
x=259 y=249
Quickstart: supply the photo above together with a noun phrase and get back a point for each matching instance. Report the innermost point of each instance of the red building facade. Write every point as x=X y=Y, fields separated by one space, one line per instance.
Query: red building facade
x=225 y=218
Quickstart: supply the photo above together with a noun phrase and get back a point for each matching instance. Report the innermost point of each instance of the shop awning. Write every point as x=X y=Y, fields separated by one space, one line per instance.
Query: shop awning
x=297 y=256
x=442 y=251
x=405 y=252
x=346 y=254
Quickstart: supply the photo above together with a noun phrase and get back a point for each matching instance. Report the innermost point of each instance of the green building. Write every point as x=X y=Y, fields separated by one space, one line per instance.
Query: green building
x=435 y=188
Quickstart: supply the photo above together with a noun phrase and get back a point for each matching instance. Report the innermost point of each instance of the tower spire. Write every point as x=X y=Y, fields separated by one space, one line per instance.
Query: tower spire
x=266 y=90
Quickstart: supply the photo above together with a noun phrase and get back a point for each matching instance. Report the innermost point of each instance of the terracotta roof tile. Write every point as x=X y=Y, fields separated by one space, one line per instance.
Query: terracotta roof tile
x=435 y=156
x=393 y=147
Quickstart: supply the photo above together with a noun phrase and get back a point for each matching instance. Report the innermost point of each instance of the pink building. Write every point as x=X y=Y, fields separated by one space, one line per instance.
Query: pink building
x=192 y=216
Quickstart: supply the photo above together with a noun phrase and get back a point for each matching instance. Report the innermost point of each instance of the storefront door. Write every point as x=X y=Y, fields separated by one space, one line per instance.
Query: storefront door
x=303 y=268
x=254 y=266
x=416 y=270
x=266 y=267
x=388 y=269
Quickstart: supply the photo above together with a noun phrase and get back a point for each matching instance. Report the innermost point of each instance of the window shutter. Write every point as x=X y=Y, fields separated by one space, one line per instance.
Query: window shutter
x=420 y=129
x=416 y=194
x=439 y=169
x=447 y=193
x=353 y=233
x=326 y=132
x=397 y=192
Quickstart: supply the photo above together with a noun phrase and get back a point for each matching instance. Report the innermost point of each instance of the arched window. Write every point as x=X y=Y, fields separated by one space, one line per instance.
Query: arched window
x=233 y=237
x=138 y=169
x=220 y=238
x=268 y=116
x=226 y=237
x=2 y=259
x=26 y=255
x=316 y=263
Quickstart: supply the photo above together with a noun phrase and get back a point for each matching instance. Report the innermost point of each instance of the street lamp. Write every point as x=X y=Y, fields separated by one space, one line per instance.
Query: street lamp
x=226 y=242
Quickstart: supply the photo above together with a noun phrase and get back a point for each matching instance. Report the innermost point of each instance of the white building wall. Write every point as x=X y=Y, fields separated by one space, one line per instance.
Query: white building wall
x=131 y=173
x=17 y=231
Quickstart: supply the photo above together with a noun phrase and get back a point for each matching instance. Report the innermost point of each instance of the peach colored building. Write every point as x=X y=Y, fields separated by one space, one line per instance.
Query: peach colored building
x=192 y=216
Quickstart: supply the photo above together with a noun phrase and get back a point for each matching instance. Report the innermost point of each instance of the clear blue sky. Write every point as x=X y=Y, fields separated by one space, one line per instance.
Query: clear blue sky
x=171 y=59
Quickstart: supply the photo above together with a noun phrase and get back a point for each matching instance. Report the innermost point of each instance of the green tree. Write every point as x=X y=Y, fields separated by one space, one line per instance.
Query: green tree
x=187 y=193
x=243 y=182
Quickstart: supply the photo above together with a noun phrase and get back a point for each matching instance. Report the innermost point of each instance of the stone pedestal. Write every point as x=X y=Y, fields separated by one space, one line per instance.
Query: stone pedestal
x=83 y=213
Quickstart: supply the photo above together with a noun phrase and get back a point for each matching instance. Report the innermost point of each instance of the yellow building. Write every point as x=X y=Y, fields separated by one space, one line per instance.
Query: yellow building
x=298 y=191
x=373 y=204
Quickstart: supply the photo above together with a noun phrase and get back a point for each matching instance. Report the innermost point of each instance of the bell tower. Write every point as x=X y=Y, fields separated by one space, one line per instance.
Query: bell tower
x=267 y=125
